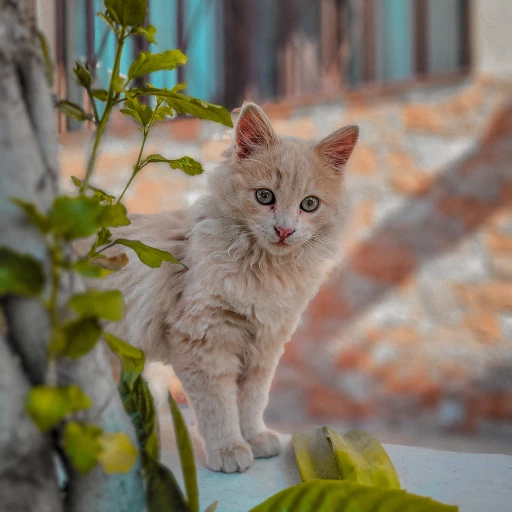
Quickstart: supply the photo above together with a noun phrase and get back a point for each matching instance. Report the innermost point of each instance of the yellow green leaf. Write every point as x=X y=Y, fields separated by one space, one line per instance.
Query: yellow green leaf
x=341 y=496
x=148 y=62
x=107 y=304
x=81 y=442
x=118 y=454
x=20 y=274
x=48 y=405
x=361 y=458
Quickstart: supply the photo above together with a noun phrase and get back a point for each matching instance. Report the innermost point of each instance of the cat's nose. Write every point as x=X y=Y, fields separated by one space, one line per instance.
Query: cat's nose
x=283 y=232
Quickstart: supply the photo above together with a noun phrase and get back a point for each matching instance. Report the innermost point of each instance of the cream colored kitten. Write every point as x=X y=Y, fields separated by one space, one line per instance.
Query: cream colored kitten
x=257 y=249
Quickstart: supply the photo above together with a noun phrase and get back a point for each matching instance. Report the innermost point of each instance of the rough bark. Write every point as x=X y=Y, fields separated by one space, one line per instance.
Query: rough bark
x=28 y=169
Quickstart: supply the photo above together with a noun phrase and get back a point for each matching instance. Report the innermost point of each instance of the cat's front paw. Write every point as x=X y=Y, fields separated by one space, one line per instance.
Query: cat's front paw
x=233 y=458
x=265 y=445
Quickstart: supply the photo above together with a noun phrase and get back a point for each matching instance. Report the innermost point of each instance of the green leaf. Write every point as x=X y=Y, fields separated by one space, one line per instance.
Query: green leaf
x=148 y=62
x=83 y=75
x=118 y=454
x=132 y=358
x=103 y=237
x=138 y=404
x=162 y=112
x=46 y=56
x=75 y=217
x=103 y=196
x=362 y=459
x=47 y=406
x=140 y=112
x=188 y=465
x=107 y=18
x=81 y=443
x=85 y=269
x=127 y=13
x=163 y=491
x=179 y=87
x=186 y=105
x=106 y=304
x=212 y=507
x=113 y=216
x=356 y=456
x=100 y=94
x=185 y=163
x=315 y=458
x=148 y=255
x=78 y=338
x=335 y=495
x=73 y=110
x=39 y=219
x=118 y=84
x=20 y=274
x=147 y=32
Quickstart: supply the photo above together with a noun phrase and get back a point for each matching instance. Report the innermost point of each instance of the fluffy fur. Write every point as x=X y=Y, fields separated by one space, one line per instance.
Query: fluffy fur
x=223 y=323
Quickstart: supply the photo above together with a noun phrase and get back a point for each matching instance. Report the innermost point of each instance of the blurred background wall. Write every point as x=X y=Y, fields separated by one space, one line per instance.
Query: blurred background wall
x=412 y=335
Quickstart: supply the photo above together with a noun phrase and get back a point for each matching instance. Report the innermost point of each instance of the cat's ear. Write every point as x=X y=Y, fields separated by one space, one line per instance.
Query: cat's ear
x=252 y=131
x=336 y=148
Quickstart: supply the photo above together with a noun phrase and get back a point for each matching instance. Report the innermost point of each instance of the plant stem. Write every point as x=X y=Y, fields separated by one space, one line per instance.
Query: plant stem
x=51 y=378
x=106 y=113
x=137 y=167
x=94 y=109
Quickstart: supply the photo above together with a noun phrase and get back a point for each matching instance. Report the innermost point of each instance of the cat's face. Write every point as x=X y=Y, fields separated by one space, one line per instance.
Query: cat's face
x=286 y=193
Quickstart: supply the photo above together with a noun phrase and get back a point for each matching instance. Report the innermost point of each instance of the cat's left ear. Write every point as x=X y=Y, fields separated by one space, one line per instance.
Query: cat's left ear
x=337 y=147
x=252 y=131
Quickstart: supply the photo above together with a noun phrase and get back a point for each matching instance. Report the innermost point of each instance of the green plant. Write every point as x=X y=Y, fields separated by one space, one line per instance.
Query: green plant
x=76 y=327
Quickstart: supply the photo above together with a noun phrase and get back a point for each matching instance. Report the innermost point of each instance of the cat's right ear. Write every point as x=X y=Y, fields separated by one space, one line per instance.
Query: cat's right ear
x=252 y=131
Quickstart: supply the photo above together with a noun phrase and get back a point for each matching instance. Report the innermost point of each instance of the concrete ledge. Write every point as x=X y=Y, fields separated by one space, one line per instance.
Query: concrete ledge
x=474 y=482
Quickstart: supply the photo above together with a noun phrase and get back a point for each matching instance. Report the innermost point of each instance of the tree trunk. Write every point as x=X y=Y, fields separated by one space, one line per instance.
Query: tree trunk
x=28 y=162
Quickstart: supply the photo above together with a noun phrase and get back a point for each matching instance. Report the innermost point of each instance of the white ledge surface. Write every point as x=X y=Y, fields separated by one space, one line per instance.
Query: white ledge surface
x=474 y=482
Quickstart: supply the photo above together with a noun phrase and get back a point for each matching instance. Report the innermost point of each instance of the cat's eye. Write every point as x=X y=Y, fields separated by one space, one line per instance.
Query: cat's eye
x=265 y=196
x=310 y=204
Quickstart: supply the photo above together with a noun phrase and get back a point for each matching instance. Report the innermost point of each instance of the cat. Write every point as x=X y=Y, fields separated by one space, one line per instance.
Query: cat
x=257 y=247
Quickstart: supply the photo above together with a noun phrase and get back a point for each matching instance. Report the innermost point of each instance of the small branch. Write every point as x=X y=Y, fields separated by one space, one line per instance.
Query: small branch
x=94 y=108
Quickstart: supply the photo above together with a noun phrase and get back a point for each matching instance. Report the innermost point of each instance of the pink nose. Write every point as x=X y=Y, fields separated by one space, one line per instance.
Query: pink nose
x=284 y=232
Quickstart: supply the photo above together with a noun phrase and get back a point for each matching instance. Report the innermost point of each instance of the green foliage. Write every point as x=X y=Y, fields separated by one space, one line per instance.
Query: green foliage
x=185 y=163
x=20 y=274
x=46 y=57
x=37 y=218
x=163 y=492
x=73 y=111
x=127 y=13
x=142 y=113
x=76 y=338
x=47 y=406
x=148 y=62
x=132 y=358
x=188 y=465
x=83 y=75
x=106 y=304
x=75 y=217
x=113 y=216
x=362 y=459
x=138 y=403
x=315 y=457
x=147 y=32
x=81 y=442
x=334 y=495
x=356 y=456
x=108 y=19
x=187 y=105
x=100 y=194
x=118 y=454
x=86 y=269
x=100 y=94
x=150 y=256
